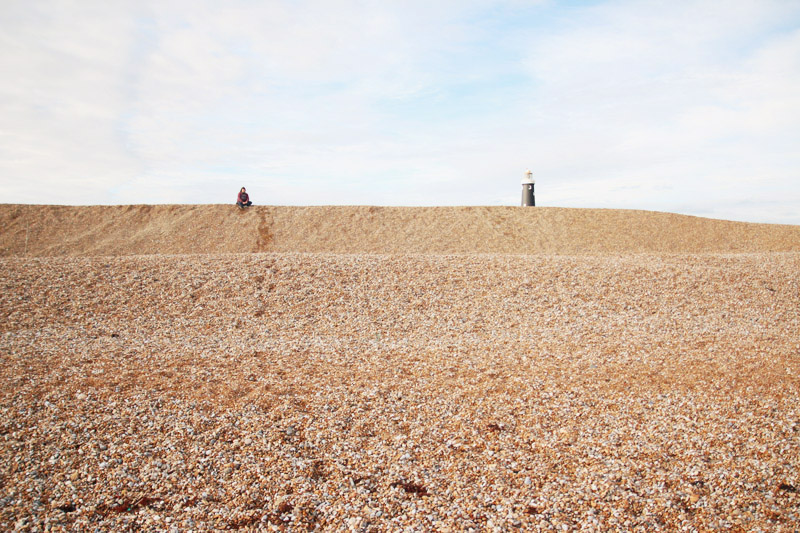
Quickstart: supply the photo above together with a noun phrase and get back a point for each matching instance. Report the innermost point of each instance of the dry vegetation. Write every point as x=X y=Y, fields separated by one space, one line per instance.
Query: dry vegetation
x=378 y=392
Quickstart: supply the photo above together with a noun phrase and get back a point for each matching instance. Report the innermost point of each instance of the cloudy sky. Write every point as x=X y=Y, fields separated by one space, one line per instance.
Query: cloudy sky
x=682 y=106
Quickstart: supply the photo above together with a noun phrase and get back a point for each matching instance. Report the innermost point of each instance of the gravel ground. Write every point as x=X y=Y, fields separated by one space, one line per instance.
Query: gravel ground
x=54 y=231
x=400 y=393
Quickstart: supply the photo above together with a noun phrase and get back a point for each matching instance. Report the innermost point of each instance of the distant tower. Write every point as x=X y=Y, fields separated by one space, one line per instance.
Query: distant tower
x=528 y=198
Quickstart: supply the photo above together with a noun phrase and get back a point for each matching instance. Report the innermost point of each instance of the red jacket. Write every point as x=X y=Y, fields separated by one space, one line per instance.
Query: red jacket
x=243 y=197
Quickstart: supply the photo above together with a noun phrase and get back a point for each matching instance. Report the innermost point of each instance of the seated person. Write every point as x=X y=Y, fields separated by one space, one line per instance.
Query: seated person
x=243 y=200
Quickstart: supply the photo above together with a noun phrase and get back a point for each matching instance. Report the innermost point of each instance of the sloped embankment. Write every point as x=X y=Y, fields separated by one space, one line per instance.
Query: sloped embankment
x=210 y=229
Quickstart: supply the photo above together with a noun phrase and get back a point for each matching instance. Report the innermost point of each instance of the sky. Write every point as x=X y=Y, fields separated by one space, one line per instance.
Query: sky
x=687 y=106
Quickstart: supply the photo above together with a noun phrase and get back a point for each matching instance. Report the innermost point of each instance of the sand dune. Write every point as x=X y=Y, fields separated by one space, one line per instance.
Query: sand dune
x=208 y=229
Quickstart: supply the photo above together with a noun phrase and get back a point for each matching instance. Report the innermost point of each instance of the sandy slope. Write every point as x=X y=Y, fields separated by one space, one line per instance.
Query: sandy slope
x=171 y=229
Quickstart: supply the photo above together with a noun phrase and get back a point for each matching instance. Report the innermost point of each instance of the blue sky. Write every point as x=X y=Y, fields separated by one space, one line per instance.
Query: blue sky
x=690 y=107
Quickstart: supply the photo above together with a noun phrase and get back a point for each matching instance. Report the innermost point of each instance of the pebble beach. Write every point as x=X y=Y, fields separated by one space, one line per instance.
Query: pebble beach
x=400 y=392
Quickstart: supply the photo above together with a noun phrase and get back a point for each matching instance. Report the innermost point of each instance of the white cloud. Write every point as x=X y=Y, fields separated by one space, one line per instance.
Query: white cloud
x=59 y=101
x=687 y=106
x=695 y=94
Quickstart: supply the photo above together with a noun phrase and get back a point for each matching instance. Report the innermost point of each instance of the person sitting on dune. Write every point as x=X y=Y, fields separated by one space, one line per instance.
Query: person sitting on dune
x=243 y=200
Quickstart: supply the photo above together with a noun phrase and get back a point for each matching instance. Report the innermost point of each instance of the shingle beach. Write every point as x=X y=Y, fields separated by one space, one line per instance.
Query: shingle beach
x=400 y=392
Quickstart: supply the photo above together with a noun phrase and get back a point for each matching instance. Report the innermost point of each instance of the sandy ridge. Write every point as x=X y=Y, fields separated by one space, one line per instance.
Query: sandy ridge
x=188 y=229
